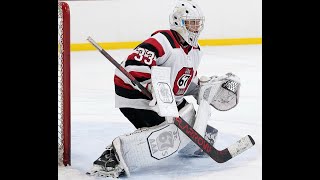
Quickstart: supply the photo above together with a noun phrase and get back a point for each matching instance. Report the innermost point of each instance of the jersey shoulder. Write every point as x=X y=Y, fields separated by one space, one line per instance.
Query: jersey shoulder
x=168 y=36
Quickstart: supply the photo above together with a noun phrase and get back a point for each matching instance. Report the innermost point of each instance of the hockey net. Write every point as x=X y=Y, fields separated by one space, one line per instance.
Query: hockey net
x=63 y=84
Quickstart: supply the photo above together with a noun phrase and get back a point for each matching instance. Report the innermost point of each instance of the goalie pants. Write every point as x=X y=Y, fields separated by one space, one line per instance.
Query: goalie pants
x=145 y=118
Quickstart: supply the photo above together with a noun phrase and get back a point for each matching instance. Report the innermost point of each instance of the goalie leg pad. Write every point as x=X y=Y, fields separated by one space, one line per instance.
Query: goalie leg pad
x=193 y=150
x=146 y=146
x=187 y=113
x=199 y=123
x=201 y=126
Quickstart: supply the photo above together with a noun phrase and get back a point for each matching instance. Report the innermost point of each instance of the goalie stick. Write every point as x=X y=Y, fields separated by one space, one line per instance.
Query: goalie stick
x=219 y=156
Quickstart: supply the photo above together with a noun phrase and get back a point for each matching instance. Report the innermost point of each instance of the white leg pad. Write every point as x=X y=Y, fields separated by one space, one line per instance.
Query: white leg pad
x=146 y=146
x=200 y=125
x=199 y=122
x=188 y=114
x=203 y=115
x=193 y=150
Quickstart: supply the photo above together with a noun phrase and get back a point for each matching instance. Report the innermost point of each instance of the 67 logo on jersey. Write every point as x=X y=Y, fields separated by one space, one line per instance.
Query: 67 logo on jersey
x=182 y=81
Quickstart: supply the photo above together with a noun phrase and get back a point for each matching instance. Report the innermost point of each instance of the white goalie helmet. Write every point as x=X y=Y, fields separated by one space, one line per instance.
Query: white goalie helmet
x=187 y=19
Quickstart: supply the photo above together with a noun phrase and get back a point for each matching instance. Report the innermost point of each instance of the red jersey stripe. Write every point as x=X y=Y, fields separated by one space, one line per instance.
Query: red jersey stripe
x=121 y=83
x=140 y=74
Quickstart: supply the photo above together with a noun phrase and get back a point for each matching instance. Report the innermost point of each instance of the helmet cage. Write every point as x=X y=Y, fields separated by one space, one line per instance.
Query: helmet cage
x=188 y=21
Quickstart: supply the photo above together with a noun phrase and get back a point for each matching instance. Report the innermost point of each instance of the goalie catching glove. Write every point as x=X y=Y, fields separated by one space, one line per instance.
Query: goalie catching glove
x=222 y=92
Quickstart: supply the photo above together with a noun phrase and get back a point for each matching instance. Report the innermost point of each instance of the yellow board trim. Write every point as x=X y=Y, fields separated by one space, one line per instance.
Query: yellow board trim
x=131 y=45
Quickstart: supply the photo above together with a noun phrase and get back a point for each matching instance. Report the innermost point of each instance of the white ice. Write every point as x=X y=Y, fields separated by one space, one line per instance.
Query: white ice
x=96 y=122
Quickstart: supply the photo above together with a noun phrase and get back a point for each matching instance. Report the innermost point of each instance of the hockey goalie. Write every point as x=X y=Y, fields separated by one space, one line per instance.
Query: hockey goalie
x=156 y=138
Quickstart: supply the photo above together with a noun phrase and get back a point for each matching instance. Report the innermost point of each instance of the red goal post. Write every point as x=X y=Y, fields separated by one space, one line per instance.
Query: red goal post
x=64 y=144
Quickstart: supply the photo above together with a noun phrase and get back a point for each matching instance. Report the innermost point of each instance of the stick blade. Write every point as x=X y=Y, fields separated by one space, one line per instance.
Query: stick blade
x=241 y=145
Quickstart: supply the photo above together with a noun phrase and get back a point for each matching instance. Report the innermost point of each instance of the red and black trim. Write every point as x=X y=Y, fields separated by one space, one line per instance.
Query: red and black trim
x=140 y=76
x=130 y=94
x=168 y=34
x=130 y=62
x=153 y=45
x=187 y=49
x=170 y=39
x=119 y=82
x=198 y=47
x=126 y=90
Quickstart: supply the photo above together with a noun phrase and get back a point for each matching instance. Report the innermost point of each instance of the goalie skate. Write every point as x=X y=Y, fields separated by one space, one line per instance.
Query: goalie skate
x=107 y=165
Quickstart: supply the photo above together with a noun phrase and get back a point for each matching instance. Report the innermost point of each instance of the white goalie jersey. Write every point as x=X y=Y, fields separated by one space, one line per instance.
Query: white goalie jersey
x=161 y=49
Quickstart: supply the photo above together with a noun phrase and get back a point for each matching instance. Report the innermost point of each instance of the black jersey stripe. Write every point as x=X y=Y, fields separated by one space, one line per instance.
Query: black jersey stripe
x=150 y=47
x=130 y=94
x=167 y=35
x=135 y=63
x=141 y=79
